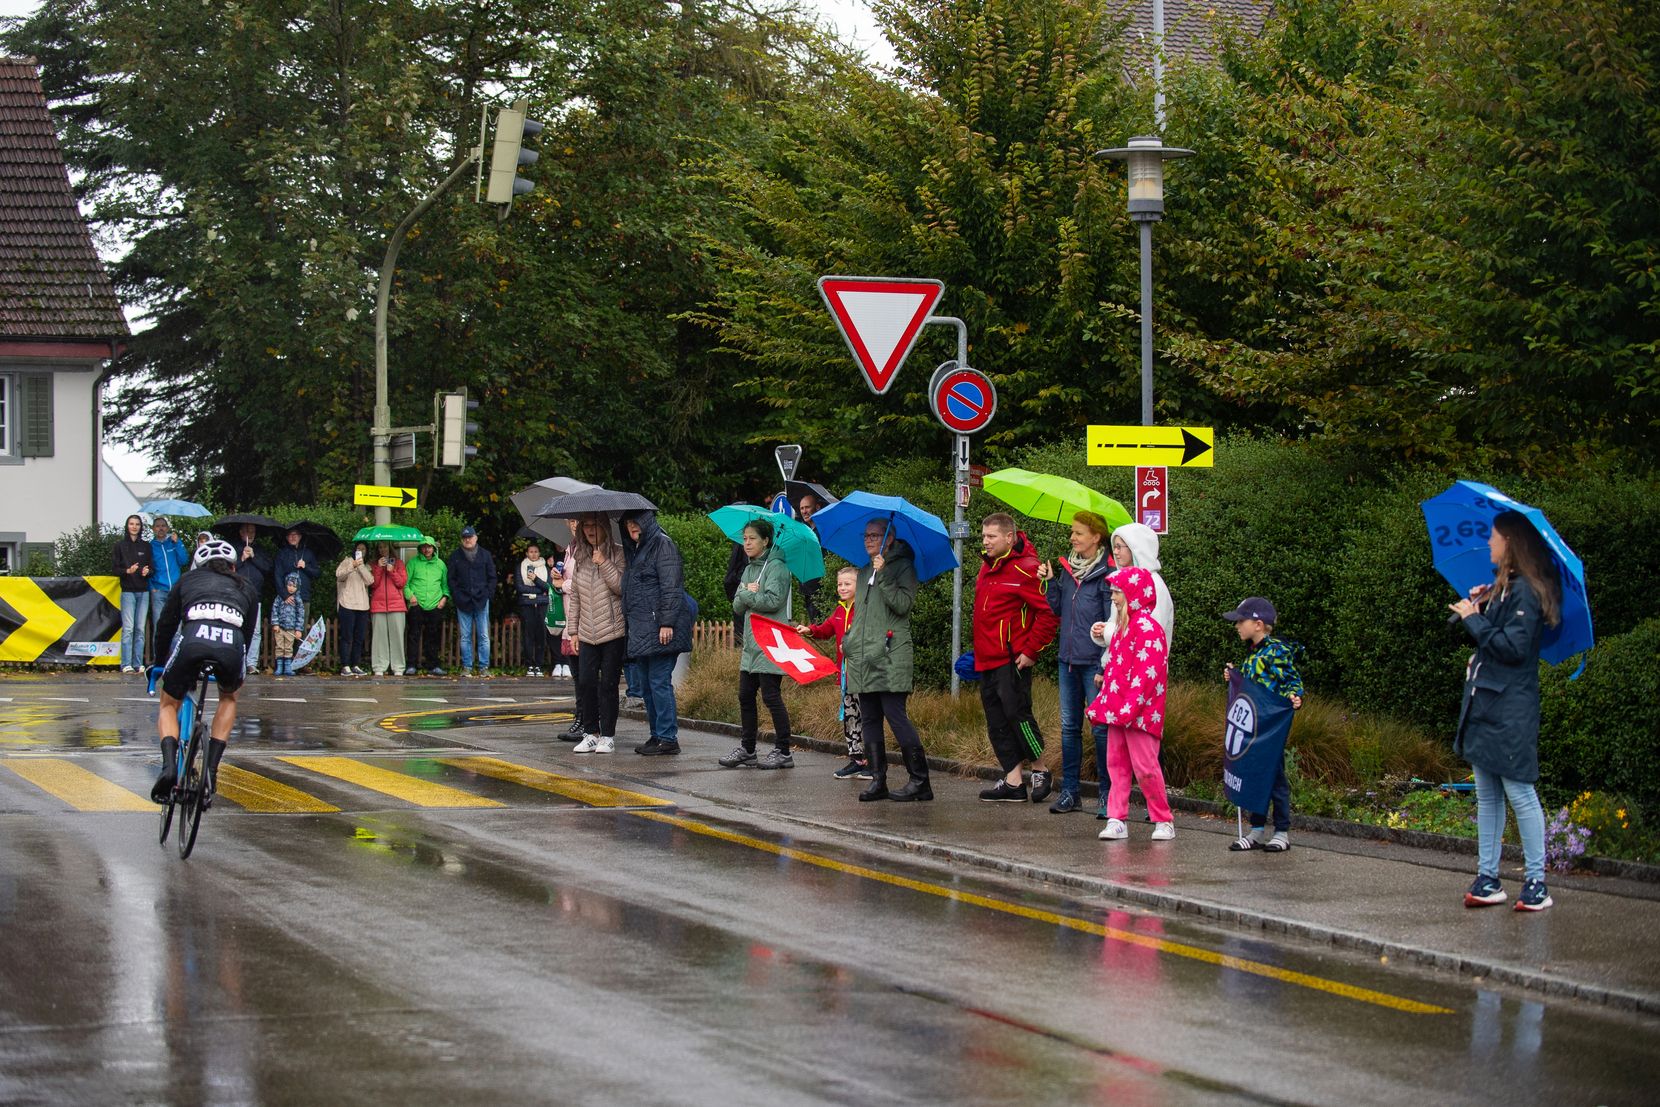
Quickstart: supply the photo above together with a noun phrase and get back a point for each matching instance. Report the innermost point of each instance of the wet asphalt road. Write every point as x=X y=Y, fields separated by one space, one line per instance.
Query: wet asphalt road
x=604 y=946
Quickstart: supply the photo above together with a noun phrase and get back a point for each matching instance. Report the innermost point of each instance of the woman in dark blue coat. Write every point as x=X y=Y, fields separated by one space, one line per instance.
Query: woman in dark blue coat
x=659 y=620
x=1498 y=726
x=1082 y=600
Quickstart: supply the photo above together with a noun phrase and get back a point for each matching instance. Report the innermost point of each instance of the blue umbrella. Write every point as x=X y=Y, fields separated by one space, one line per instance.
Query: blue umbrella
x=182 y=508
x=1459 y=521
x=841 y=530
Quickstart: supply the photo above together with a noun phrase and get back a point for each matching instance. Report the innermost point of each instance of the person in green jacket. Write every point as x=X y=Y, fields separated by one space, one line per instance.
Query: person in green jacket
x=879 y=661
x=427 y=593
x=763 y=589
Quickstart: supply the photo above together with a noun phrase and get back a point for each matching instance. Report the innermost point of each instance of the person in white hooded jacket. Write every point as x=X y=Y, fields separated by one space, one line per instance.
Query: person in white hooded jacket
x=1137 y=544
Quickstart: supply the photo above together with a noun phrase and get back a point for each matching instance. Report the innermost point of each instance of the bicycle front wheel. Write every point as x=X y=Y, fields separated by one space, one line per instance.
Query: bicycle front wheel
x=193 y=784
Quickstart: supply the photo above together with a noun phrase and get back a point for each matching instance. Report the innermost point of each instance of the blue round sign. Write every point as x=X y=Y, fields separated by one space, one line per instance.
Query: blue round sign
x=781 y=505
x=963 y=399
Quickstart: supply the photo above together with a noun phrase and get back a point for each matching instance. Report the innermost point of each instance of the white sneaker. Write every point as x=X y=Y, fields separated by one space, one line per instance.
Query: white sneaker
x=589 y=744
x=1114 y=831
x=1163 y=832
x=605 y=745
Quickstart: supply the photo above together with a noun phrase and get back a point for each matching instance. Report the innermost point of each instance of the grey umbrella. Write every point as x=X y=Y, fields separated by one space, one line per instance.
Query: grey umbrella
x=796 y=489
x=530 y=501
x=596 y=501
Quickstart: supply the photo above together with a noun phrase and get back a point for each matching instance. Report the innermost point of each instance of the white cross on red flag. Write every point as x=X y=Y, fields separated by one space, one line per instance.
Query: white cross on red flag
x=789 y=651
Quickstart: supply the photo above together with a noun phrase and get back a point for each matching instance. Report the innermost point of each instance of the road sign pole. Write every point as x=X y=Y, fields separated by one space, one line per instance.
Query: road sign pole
x=958 y=519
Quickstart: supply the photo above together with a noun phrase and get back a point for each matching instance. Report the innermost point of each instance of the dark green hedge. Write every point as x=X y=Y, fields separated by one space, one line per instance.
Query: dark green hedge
x=1602 y=731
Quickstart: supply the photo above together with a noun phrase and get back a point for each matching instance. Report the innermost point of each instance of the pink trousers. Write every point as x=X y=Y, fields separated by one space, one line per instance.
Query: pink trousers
x=1138 y=752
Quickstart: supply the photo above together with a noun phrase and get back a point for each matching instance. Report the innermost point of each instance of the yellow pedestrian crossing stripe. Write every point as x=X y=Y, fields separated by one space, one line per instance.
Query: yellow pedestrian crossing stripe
x=422 y=793
x=253 y=792
x=82 y=789
x=583 y=791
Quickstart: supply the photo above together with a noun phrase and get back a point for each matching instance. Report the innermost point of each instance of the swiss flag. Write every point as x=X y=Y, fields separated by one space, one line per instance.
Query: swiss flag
x=789 y=651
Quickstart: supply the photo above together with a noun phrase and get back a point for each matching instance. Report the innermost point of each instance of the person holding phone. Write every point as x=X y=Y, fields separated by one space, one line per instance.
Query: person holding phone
x=353 y=580
x=387 y=609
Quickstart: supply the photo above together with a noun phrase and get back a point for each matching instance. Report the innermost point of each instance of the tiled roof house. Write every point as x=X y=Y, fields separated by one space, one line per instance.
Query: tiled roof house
x=1191 y=27
x=60 y=325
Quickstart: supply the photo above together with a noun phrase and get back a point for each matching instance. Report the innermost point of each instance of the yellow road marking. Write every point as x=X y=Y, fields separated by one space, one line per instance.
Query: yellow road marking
x=583 y=791
x=391 y=722
x=1163 y=945
x=260 y=793
x=422 y=793
x=80 y=788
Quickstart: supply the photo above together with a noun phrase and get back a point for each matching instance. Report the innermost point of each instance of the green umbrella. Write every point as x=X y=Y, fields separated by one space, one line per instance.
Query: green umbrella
x=1057 y=499
x=793 y=539
x=399 y=536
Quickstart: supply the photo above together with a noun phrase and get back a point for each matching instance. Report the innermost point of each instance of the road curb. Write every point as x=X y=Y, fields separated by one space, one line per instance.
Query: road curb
x=1338 y=828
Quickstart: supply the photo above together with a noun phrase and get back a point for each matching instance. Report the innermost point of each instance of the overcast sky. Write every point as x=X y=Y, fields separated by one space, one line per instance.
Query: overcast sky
x=850 y=18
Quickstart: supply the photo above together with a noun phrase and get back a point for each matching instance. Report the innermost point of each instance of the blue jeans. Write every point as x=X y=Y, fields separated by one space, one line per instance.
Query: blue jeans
x=1077 y=684
x=1491 y=792
x=475 y=622
x=657 y=684
x=135 y=613
x=253 y=642
x=632 y=676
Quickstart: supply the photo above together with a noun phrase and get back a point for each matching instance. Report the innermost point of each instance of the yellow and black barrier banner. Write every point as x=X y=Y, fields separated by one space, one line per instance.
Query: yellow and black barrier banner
x=61 y=620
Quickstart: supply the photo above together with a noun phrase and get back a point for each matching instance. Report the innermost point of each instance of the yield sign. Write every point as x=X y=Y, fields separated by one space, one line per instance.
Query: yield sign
x=880 y=317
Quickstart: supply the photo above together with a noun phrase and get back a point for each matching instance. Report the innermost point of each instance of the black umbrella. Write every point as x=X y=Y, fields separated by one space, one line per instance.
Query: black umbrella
x=323 y=541
x=796 y=489
x=264 y=526
x=597 y=501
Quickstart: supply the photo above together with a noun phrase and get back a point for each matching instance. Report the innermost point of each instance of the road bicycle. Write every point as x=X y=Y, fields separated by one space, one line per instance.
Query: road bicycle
x=189 y=797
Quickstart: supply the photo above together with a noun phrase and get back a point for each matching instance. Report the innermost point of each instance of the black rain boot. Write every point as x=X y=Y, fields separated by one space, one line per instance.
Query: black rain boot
x=216 y=750
x=877 y=758
x=169 y=776
x=916 y=788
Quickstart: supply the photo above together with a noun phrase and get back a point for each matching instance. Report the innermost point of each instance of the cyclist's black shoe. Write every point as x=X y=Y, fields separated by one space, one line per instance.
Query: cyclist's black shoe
x=160 y=790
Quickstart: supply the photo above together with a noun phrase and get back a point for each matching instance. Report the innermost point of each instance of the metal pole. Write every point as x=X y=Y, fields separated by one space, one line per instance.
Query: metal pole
x=1158 y=63
x=381 y=431
x=1146 y=322
x=958 y=519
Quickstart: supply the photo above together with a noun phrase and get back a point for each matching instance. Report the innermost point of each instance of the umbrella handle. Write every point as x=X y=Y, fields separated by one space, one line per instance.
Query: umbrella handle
x=888 y=530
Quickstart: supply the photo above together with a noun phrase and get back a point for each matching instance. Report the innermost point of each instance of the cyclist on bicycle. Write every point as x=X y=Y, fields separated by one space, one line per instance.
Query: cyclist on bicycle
x=209 y=608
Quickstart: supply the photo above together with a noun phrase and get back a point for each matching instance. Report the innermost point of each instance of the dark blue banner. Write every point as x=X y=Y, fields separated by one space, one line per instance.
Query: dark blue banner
x=1254 y=737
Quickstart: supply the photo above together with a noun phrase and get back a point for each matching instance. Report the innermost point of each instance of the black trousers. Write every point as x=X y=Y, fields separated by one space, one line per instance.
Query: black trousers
x=1006 y=695
x=771 y=687
x=533 y=633
x=596 y=685
x=874 y=707
x=353 y=637
x=426 y=634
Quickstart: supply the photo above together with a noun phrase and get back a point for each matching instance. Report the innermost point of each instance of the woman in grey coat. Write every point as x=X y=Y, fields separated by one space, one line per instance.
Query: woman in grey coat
x=763 y=589
x=1498 y=727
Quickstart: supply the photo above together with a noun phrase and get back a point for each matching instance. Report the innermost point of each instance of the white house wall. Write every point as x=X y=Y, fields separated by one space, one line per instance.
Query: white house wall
x=42 y=497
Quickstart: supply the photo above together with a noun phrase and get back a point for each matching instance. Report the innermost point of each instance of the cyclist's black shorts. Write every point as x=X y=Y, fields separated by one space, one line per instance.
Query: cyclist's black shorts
x=213 y=644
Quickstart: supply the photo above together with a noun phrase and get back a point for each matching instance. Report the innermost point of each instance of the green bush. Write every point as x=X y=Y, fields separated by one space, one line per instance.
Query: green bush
x=1602 y=731
x=704 y=550
x=82 y=552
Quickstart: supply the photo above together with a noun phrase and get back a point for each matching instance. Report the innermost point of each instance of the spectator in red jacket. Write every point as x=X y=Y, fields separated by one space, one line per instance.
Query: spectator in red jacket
x=387 y=613
x=847 y=583
x=1012 y=625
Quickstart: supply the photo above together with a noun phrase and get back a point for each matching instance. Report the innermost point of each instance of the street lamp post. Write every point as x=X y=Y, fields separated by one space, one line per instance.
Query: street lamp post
x=1146 y=155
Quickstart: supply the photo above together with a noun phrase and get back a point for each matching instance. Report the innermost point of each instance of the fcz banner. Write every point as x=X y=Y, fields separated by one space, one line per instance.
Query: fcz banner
x=1253 y=738
x=779 y=641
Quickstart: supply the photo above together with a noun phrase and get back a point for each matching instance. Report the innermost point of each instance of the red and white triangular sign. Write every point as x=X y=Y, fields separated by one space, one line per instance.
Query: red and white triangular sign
x=880 y=317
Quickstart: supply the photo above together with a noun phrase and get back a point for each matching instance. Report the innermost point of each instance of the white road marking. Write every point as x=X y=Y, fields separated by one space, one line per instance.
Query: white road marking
x=352 y=699
x=496 y=699
x=282 y=699
x=67 y=699
x=427 y=699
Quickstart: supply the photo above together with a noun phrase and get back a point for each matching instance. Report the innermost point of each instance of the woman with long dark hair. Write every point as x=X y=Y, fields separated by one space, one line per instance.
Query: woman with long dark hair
x=132 y=562
x=1498 y=727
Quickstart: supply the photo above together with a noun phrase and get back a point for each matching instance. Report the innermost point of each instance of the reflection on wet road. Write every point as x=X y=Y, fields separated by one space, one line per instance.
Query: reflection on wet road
x=572 y=935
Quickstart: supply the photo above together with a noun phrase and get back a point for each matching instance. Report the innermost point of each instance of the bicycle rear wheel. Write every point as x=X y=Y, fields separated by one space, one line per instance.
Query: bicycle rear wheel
x=187 y=716
x=193 y=779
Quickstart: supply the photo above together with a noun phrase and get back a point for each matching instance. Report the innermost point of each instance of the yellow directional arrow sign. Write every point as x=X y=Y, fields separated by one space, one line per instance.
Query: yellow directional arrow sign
x=1192 y=446
x=381 y=495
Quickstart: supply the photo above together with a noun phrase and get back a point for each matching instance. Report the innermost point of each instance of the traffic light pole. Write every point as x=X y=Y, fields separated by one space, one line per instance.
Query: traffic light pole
x=382 y=430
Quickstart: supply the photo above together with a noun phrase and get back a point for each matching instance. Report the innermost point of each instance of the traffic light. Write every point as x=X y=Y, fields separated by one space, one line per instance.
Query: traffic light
x=455 y=429
x=509 y=154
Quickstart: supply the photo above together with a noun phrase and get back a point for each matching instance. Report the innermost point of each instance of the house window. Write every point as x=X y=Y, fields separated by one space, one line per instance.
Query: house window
x=25 y=415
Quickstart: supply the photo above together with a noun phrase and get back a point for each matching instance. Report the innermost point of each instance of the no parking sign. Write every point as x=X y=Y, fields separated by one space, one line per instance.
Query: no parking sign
x=963 y=399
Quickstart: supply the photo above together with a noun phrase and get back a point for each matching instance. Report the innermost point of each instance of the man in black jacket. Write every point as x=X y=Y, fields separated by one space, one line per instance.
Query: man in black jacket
x=659 y=620
x=253 y=565
x=472 y=583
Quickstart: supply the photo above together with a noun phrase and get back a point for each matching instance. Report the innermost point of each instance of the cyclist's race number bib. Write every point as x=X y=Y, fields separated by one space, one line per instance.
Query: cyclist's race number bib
x=213 y=613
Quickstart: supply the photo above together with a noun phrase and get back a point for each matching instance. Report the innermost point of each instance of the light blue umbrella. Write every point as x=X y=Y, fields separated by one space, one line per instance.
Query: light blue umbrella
x=841 y=530
x=1459 y=522
x=795 y=540
x=182 y=508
